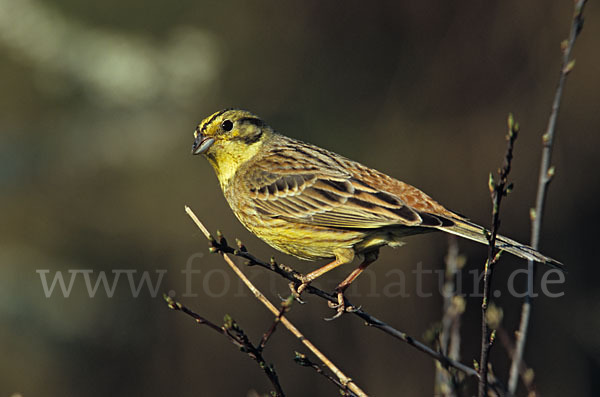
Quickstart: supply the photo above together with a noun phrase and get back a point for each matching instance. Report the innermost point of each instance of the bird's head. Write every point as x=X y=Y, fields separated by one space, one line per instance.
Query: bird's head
x=228 y=139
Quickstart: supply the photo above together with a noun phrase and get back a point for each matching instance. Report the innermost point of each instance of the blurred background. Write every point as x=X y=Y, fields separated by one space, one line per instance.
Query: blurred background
x=99 y=101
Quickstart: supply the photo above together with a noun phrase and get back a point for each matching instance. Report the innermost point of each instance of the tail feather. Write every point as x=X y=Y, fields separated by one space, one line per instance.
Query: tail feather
x=466 y=229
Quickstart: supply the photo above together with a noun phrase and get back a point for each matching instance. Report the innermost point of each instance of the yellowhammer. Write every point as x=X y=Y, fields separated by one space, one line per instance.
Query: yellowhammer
x=315 y=204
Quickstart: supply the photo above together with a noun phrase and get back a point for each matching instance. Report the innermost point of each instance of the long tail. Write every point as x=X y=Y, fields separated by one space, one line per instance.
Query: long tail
x=466 y=229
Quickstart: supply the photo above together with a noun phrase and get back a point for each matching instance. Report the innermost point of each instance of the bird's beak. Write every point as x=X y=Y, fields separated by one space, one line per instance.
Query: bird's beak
x=202 y=143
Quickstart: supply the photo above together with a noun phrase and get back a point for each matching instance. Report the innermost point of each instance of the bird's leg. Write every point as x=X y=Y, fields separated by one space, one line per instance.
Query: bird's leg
x=342 y=256
x=370 y=257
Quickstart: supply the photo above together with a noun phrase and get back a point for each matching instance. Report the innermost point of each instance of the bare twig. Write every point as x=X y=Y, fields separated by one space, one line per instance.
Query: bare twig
x=238 y=337
x=285 y=306
x=497 y=190
x=447 y=383
x=304 y=361
x=452 y=308
x=546 y=173
x=344 y=380
x=292 y=275
x=526 y=373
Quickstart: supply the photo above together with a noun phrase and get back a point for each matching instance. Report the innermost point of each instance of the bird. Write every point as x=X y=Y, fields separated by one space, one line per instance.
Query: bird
x=314 y=204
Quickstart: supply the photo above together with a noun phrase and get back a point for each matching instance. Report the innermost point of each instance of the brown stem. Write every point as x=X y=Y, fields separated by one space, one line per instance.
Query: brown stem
x=370 y=320
x=497 y=191
x=237 y=336
x=285 y=305
x=447 y=383
x=304 y=361
x=546 y=173
x=222 y=247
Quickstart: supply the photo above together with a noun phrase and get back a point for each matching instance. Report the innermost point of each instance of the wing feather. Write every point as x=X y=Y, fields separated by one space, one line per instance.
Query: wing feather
x=339 y=193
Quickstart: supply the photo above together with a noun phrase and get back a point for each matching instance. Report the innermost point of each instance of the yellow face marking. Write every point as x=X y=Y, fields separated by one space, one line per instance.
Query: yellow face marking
x=229 y=156
x=229 y=151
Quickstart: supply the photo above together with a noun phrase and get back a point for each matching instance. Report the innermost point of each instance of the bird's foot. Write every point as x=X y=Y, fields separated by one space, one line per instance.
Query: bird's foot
x=341 y=307
x=297 y=289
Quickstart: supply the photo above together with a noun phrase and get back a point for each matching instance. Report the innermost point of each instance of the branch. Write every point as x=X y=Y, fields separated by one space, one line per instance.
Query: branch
x=497 y=190
x=238 y=337
x=527 y=374
x=291 y=275
x=285 y=306
x=546 y=173
x=304 y=361
x=344 y=380
x=447 y=383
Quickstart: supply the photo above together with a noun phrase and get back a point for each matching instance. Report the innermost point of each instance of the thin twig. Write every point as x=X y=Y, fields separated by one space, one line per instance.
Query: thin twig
x=447 y=383
x=546 y=174
x=304 y=361
x=285 y=306
x=292 y=275
x=237 y=336
x=497 y=190
x=526 y=373
x=449 y=292
x=344 y=380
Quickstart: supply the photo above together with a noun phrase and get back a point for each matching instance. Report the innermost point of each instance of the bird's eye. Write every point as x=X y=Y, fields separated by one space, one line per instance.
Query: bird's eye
x=227 y=125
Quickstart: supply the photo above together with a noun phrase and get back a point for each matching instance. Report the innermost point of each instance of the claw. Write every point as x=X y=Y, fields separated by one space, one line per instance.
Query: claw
x=340 y=307
x=296 y=292
x=338 y=314
x=333 y=305
x=302 y=286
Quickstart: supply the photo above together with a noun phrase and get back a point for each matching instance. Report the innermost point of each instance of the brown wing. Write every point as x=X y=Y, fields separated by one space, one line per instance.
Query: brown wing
x=306 y=184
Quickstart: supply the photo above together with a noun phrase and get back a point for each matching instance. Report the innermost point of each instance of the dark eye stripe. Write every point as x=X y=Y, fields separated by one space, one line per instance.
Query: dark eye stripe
x=249 y=140
x=214 y=116
x=252 y=120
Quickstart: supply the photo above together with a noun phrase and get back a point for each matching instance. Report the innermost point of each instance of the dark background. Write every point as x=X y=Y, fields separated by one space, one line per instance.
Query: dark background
x=99 y=101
